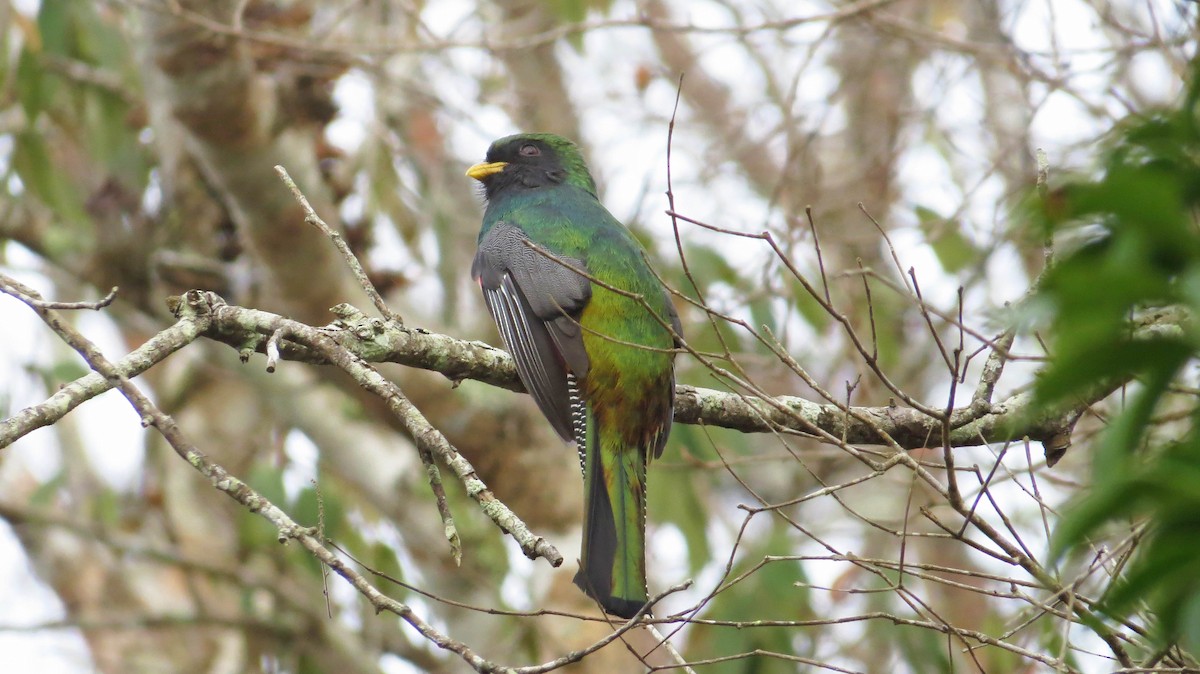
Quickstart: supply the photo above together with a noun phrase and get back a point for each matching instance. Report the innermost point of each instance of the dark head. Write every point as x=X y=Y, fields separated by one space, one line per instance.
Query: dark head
x=529 y=161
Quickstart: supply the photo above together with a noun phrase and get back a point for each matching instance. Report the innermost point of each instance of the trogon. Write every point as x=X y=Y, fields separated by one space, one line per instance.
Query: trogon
x=589 y=326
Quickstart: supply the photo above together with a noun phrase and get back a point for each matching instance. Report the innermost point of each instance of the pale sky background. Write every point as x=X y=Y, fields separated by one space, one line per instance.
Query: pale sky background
x=629 y=159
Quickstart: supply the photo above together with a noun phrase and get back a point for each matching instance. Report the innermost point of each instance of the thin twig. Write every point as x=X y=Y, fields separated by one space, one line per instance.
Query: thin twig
x=72 y=306
x=670 y=648
x=311 y=217
x=812 y=225
x=449 y=529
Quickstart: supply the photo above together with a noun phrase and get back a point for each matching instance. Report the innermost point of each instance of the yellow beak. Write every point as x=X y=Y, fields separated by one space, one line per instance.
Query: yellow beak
x=481 y=171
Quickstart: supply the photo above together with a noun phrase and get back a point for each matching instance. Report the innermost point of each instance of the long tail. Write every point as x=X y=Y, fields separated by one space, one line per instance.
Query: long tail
x=613 y=565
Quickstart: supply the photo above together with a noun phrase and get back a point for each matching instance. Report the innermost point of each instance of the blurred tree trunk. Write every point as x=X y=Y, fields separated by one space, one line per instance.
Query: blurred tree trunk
x=240 y=121
x=137 y=146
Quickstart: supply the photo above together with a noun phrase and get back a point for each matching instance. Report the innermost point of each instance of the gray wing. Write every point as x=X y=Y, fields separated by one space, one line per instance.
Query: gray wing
x=536 y=302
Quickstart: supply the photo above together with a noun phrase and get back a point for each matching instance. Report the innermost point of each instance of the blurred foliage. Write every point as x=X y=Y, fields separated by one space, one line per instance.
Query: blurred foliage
x=787 y=599
x=1146 y=256
x=107 y=187
x=77 y=75
x=953 y=249
x=575 y=11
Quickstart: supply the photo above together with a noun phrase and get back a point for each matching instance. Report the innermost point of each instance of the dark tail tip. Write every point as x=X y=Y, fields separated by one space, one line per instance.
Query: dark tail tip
x=618 y=606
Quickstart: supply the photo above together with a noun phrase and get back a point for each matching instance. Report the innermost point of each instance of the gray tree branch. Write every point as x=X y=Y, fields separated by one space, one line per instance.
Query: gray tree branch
x=374 y=340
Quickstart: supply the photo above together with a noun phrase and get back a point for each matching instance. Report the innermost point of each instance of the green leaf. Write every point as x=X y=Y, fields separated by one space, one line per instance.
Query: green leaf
x=254 y=531
x=762 y=314
x=1074 y=371
x=67 y=370
x=709 y=266
x=1165 y=576
x=774 y=591
x=1086 y=515
x=309 y=511
x=106 y=508
x=922 y=646
x=954 y=251
x=385 y=195
x=1189 y=615
x=110 y=139
x=99 y=41
x=1124 y=434
x=309 y=665
x=1143 y=196
x=808 y=306
x=31 y=160
x=675 y=496
x=267 y=480
x=1050 y=638
x=54 y=26
x=34 y=89
x=575 y=11
x=1148 y=257
x=383 y=559
x=43 y=496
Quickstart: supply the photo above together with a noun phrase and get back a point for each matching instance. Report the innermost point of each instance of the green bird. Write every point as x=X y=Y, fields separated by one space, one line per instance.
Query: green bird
x=599 y=364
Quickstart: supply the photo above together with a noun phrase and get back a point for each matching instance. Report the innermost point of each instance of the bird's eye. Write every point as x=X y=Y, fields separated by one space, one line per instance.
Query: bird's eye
x=530 y=151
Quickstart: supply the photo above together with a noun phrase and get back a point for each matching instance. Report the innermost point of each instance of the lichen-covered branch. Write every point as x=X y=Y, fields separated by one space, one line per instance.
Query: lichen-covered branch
x=71 y=395
x=376 y=341
x=264 y=326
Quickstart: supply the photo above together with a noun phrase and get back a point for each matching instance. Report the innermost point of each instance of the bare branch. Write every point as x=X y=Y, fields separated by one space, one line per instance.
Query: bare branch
x=311 y=217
